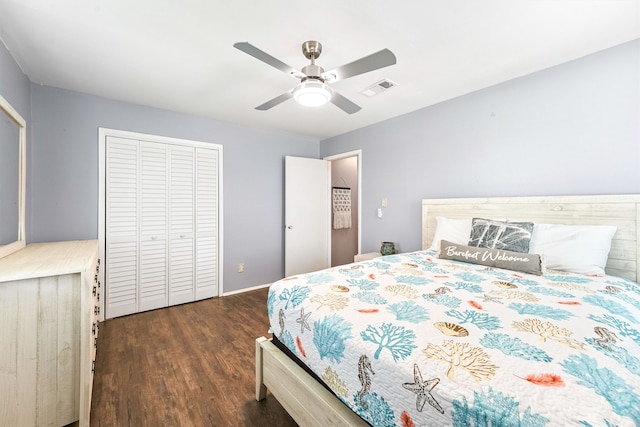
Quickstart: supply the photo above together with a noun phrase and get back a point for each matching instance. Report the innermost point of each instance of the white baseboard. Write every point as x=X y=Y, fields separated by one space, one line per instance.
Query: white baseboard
x=240 y=291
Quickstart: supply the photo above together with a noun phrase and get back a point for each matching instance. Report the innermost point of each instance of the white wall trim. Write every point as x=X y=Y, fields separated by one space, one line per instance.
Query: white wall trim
x=243 y=290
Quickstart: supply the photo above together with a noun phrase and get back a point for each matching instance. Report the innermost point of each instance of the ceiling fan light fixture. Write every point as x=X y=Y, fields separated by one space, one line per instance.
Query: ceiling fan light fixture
x=312 y=93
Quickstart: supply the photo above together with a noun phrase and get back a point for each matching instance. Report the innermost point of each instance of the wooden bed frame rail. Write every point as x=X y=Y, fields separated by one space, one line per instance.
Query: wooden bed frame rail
x=306 y=400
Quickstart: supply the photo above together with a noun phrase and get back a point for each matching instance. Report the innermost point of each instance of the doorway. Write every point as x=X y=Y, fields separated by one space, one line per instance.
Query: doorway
x=346 y=187
x=308 y=209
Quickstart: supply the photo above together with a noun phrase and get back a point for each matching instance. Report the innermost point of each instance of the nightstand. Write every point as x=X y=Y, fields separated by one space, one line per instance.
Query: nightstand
x=366 y=257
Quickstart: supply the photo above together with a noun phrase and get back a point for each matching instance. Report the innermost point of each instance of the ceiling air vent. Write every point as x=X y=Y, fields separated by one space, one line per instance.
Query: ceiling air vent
x=378 y=87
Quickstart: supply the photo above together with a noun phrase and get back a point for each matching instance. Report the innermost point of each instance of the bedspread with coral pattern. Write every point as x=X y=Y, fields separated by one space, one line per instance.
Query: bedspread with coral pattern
x=411 y=339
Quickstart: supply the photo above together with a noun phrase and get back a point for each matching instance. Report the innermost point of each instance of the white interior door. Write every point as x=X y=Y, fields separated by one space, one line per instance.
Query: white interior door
x=307 y=215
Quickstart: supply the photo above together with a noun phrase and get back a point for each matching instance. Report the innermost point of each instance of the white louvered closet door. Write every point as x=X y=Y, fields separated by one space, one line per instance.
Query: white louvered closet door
x=121 y=227
x=206 y=223
x=153 y=226
x=181 y=224
x=161 y=224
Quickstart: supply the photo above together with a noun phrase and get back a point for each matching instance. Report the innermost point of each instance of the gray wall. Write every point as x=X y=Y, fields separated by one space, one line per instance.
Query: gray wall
x=571 y=129
x=64 y=175
x=14 y=85
x=62 y=170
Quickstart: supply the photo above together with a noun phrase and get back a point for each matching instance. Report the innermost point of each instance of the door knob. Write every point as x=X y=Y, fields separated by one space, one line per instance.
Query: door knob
x=289 y=227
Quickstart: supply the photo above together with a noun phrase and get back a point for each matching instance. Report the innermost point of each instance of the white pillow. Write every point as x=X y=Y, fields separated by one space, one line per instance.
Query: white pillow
x=582 y=249
x=453 y=230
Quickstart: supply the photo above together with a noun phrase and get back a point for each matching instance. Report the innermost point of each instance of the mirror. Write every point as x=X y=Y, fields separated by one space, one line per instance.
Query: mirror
x=12 y=179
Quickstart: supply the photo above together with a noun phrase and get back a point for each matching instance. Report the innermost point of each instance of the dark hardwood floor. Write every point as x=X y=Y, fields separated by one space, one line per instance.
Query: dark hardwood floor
x=187 y=365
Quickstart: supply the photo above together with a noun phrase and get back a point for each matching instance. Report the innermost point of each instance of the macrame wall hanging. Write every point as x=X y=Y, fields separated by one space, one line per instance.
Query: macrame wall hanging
x=341 y=207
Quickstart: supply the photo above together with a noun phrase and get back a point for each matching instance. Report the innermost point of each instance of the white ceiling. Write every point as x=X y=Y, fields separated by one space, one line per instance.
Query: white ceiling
x=179 y=55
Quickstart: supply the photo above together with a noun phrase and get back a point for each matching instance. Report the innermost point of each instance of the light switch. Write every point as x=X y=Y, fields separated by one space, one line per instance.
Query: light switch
x=383 y=202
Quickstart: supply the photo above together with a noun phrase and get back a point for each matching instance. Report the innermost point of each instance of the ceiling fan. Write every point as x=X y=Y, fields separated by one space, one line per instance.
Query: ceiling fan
x=313 y=89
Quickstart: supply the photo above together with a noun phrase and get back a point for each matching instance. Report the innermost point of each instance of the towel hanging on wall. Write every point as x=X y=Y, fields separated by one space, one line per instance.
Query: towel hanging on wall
x=341 y=208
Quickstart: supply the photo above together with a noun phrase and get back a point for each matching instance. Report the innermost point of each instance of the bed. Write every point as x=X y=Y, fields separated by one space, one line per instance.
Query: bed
x=417 y=339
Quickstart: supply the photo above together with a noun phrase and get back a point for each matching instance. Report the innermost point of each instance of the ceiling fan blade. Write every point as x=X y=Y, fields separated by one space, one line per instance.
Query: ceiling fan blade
x=344 y=104
x=377 y=60
x=267 y=59
x=275 y=101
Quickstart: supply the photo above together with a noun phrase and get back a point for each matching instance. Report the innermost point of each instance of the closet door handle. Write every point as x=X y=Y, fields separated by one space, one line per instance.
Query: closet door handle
x=289 y=227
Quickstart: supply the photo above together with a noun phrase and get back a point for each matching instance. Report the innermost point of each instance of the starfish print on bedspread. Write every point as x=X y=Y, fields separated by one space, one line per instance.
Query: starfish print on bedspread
x=423 y=390
x=303 y=320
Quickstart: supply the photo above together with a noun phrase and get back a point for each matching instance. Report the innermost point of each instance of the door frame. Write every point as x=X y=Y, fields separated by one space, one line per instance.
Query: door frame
x=103 y=133
x=358 y=154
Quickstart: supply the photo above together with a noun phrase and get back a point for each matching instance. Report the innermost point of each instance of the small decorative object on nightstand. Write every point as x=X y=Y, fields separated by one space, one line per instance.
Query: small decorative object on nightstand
x=387 y=248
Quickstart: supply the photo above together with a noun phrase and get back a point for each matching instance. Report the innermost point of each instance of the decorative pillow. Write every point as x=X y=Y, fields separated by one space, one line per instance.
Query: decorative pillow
x=453 y=230
x=502 y=235
x=517 y=261
x=582 y=249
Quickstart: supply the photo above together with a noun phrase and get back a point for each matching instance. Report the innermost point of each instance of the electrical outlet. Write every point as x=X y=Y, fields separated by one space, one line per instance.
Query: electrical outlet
x=241 y=267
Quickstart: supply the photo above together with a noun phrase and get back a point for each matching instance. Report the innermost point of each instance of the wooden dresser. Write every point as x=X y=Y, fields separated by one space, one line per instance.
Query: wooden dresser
x=49 y=295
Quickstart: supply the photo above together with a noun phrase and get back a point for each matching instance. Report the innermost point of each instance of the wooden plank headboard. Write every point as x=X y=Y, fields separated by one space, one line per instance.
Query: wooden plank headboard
x=622 y=211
